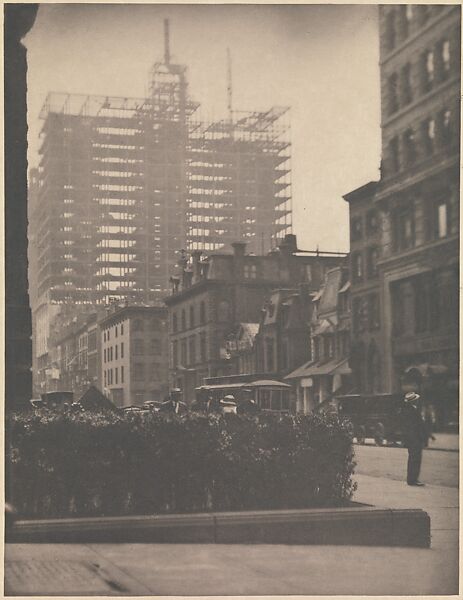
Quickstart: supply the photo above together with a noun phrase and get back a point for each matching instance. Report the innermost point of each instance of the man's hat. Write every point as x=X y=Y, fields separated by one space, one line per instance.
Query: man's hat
x=229 y=397
x=411 y=397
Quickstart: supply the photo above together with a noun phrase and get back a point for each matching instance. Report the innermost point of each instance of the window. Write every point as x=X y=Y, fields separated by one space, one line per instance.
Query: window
x=183 y=351
x=174 y=322
x=373 y=312
x=442 y=225
x=192 y=316
x=405 y=85
x=122 y=349
x=116 y=375
x=356 y=229
x=174 y=354
x=404 y=228
x=122 y=329
x=122 y=374
x=394 y=161
x=403 y=308
x=202 y=312
x=270 y=354
x=445 y=56
x=104 y=355
x=316 y=348
x=372 y=222
x=409 y=12
x=357 y=266
x=409 y=146
x=429 y=134
x=360 y=314
x=115 y=350
x=393 y=103
x=183 y=319
x=372 y=262
x=428 y=70
x=192 y=350
x=438 y=219
x=390 y=30
x=405 y=18
x=115 y=330
x=250 y=271
x=105 y=383
x=445 y=126
x=329 y=346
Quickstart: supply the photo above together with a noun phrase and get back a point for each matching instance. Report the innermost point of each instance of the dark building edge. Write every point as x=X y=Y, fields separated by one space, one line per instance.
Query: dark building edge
x=18 y=20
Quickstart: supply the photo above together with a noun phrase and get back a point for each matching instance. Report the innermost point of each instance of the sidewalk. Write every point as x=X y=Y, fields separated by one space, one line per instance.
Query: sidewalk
x=448 y=442
x=445 y=441
x=200 y=569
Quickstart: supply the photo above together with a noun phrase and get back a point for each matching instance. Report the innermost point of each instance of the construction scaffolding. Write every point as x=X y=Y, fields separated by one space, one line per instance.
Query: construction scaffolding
x=124 y=183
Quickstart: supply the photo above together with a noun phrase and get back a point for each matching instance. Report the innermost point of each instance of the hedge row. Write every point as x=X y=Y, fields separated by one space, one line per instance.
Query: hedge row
x=66 y=464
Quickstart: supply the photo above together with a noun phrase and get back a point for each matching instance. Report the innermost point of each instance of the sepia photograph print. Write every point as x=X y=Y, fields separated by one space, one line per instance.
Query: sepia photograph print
x=231 y=299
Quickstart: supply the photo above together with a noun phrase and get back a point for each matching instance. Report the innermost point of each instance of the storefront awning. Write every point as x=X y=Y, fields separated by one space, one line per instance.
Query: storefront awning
x=331 y=367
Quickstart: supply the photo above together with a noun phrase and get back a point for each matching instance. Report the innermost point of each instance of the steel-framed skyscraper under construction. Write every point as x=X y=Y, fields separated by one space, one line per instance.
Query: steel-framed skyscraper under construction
x=123 y=184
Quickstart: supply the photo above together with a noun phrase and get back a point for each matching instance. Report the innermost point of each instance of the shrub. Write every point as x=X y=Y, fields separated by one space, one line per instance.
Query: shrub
x=66 y=464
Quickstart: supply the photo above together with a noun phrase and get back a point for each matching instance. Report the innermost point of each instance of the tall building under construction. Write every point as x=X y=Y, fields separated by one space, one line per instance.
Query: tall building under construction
x=124 y=184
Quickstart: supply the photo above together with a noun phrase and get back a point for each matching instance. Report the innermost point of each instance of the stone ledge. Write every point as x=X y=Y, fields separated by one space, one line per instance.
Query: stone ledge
x=359 y=525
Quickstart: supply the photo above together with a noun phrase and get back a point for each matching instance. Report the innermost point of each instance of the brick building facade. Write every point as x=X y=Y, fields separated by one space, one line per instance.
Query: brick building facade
x=134 y=355
x=213 y=296
x=417 y=198
x=365 y=243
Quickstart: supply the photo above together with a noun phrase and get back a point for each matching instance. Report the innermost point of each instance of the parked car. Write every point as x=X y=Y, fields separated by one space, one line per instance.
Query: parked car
x=372 y=416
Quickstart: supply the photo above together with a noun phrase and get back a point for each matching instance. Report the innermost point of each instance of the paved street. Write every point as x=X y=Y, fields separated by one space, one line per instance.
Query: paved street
x=438 y=467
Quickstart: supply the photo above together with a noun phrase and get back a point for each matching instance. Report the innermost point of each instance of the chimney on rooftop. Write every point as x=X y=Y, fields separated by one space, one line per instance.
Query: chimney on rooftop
x=239 y=248
x=289 y=244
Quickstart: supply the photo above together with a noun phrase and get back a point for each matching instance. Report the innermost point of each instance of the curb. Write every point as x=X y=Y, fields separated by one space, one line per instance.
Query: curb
x=363 y=525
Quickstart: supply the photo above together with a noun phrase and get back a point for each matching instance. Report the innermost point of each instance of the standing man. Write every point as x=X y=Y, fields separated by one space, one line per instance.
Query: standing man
x=414 y=436
x=174 y=404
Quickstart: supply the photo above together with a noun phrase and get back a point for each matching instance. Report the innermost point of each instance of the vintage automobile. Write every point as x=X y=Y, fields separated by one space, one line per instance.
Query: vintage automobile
x=372 y=416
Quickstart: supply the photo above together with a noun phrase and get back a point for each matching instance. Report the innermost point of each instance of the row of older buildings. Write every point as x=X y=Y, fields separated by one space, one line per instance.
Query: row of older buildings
x=121 y=350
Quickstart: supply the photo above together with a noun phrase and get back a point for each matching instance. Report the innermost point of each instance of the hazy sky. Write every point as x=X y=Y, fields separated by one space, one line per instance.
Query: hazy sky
x=321 y=60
